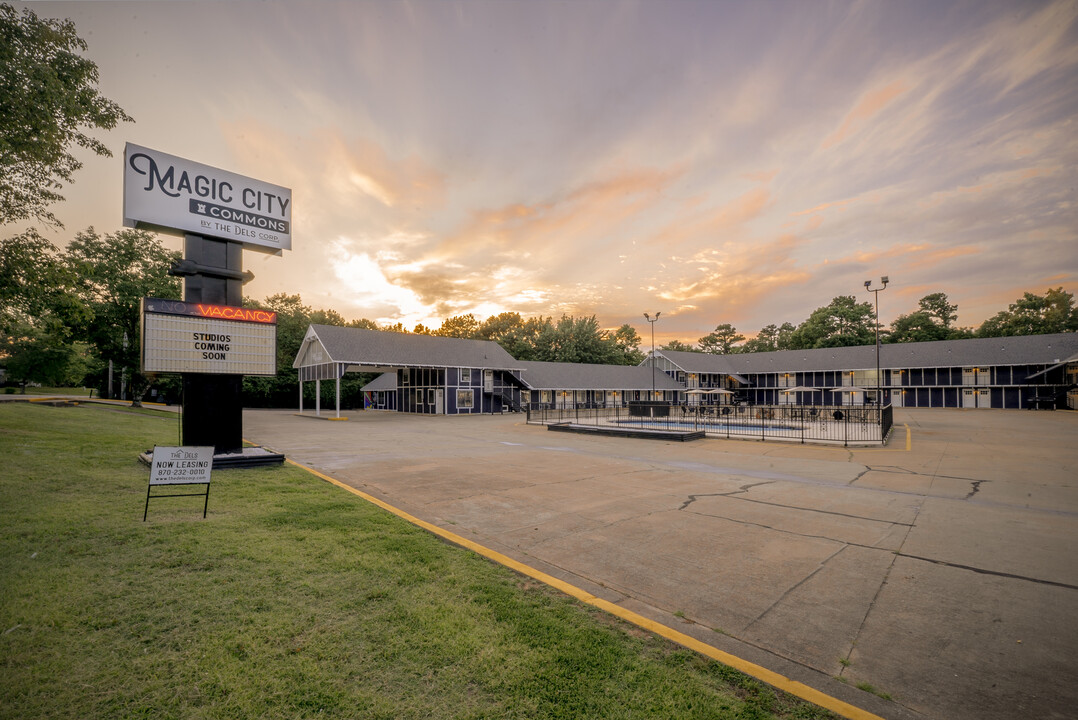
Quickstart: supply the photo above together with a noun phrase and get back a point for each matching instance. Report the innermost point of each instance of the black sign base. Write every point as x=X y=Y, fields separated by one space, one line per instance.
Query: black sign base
x=213 y=411
x=248 y=457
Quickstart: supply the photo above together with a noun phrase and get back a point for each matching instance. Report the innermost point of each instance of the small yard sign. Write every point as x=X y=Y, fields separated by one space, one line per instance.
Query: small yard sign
x=180 y=466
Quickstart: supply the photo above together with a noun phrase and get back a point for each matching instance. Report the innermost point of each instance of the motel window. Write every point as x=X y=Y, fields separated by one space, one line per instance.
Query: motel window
x=405 y=375
x=466 y=377
x=858 y=378
x=419 y=396
x=465 y=399
x=430 y=397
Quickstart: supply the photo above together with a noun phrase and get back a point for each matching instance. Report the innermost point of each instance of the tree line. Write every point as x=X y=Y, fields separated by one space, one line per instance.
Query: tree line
x=845 y=322
x=67 y=317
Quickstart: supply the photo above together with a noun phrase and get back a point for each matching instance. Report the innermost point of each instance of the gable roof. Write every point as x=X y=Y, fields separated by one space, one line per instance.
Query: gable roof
x=582 y=376
x=387 y=381
x=970 y=352
x=382 y=349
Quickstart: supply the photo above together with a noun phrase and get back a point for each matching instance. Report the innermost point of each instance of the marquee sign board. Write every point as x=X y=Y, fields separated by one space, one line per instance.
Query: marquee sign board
x=187 y=337
x=168 y=193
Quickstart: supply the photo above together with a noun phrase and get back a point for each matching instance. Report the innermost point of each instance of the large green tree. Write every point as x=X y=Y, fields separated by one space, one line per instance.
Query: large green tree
x=679 y=346
x=113 y=273
x=627 y=340
x=1032 y=314
x=48 y=101
x=570 y=339
x=518 y=336
x=459 y=326
x=917 y=326
x=39 y=310
x=578 y=340
x=842 y=323
x=722 y=340
x=933 y=320
x=939 y=307
x=35 y=284
x=771 y=338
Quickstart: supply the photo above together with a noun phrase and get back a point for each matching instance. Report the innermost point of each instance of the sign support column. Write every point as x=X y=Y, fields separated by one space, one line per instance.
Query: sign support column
x=212 y=273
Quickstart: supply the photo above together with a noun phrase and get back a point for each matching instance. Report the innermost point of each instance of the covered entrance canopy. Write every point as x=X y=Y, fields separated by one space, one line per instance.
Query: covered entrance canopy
x=329 y=351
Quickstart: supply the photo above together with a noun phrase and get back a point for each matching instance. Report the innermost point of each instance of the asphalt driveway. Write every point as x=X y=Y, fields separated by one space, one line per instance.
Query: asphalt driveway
x=941 y=570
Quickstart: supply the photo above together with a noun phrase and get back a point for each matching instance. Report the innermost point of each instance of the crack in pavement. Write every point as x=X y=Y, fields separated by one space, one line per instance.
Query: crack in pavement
x=794 y=532
x=744 y=488
x=883 y=582
x=860 y=475
x=984 y=571
x=732 y=496
x=799 y=583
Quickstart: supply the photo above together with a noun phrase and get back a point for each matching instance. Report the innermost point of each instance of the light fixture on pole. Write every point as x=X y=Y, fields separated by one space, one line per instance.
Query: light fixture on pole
x=652 y=321
x=868 y=286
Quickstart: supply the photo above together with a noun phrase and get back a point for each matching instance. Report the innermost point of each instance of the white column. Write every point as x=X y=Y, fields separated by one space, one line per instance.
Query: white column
x=301 y=395
x=318 y=398
x=338 y=393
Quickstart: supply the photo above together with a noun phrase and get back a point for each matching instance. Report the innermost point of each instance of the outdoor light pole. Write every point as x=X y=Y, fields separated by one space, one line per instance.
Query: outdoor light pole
x=868 y=283
x=652 y=320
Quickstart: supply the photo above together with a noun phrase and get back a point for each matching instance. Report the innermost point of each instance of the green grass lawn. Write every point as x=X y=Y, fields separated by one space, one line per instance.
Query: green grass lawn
x=293 y=599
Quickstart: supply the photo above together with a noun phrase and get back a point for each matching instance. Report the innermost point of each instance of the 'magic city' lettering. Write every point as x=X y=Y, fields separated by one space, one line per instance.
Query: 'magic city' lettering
x=170 y=185
x=255 y=199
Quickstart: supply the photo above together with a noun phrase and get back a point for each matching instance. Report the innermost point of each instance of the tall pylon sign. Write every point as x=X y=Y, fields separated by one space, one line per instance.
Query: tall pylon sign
x=219 y=214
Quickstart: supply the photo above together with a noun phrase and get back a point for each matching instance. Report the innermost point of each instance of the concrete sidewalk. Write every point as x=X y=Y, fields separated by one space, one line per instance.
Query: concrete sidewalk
x=943 y=575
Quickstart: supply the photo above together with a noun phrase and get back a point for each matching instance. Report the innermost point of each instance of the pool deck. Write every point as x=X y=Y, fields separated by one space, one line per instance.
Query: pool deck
x=939 y=569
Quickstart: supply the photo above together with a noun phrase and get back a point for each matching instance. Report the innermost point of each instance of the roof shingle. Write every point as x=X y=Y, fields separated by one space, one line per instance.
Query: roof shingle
x=1014 y=350
x=357 y=346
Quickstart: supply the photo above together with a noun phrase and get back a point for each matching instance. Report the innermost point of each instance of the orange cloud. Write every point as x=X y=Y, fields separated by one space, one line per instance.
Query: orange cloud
x=734 y=214
x=588 y=212
x=870 y=105
x=331 y=166
x=1000 y=181
x=762 y=176
x=739 y=275
x=826 y=206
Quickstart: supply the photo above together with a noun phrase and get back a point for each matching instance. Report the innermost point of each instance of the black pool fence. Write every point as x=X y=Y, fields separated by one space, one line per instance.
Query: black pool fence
x=831 y=424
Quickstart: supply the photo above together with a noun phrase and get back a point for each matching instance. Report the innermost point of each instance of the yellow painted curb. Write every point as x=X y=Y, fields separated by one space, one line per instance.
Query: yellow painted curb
x=759 y=672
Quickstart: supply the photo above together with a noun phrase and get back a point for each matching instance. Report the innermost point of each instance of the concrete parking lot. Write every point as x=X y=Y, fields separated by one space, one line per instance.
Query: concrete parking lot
x=941 y=570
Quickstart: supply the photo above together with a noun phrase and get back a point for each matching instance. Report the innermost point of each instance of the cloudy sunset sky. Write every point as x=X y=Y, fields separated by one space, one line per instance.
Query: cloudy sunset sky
x=740 y=162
